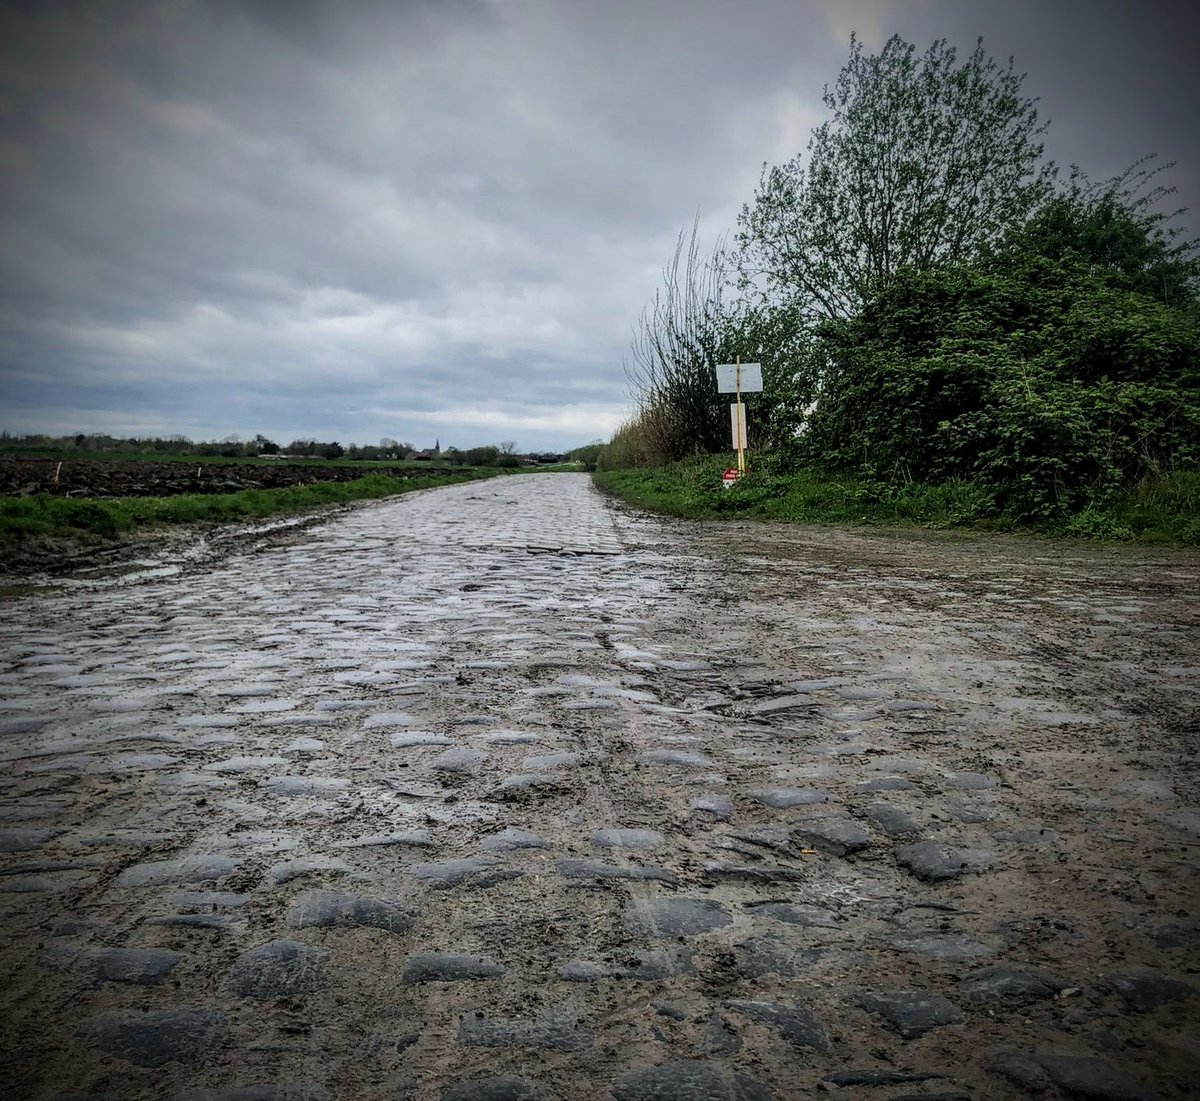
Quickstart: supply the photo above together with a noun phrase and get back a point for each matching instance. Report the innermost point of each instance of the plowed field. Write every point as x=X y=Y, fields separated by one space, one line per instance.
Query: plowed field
x=98 y=478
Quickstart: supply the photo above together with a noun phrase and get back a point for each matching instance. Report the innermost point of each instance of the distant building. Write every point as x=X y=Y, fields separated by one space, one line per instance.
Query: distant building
x=430 y=453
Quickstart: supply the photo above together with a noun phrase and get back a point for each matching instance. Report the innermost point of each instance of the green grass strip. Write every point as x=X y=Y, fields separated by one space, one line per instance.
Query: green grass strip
x=1164 y=511
x=43 y=515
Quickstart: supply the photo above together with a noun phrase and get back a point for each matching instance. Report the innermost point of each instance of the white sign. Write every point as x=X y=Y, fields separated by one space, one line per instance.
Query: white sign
x=727 y=378
x=737 y=421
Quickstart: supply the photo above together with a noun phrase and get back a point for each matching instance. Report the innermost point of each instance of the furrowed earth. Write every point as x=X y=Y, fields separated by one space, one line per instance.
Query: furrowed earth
x=134 y=478
x=503 y=791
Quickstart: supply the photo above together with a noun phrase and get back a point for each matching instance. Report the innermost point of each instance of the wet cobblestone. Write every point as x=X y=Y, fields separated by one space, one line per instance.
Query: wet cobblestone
x=500 y=792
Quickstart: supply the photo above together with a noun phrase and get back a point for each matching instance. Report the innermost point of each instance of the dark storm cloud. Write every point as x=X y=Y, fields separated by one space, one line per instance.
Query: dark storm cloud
x=426 y=218
x=1118 y=81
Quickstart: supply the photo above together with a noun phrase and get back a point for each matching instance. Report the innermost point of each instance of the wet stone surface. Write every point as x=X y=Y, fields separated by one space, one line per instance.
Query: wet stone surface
x=911 y=1013
x=503 y=1087
x=1075 y=1076
x=994 y=983
x=503 y=792
x=806 y=916
x=796 y=1023
x=598 y=870
x=785 y=798
x=691 y=1080
x=289 y=1091
x=459 y=761
x=627 y=839
x=839 y=836
x=1146 y=992
x=188 y=869
x=950 y=947
x=475 y=871
x=929 y=861
x=558 y=1030
x=182 y=1035
x=893 y=821
x=138 y=966
x=762 y=957
x=279 y=969
x=640 y=966
x=323 y=866
x=334 y=910
x=674 y=917
x=511 y=839
x=717 y=807
x=448 y=967
x=676 y=758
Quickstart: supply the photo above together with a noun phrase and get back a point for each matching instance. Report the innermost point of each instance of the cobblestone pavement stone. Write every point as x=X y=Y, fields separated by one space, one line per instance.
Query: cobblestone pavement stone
x=502 y=791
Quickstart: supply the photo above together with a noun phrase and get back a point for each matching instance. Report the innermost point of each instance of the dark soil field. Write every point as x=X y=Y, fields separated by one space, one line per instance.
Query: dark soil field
x=100 y=478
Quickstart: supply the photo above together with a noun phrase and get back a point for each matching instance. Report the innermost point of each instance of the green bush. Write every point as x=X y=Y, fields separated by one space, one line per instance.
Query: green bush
x=1043 y=383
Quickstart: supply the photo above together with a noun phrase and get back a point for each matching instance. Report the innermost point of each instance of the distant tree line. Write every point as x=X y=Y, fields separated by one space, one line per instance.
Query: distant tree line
x=232 y=447
x=502 y=455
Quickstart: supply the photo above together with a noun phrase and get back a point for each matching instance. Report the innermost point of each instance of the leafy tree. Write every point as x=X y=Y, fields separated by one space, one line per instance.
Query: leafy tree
x=587 y=454
x=1118 y=229
x=923 y=161
x=481 y=456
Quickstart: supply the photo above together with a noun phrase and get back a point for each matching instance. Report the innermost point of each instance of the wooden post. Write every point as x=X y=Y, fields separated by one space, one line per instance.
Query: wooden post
x=738 y=382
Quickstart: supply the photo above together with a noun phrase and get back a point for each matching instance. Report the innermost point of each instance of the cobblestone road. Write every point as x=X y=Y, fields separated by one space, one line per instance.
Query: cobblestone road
x=497 y=792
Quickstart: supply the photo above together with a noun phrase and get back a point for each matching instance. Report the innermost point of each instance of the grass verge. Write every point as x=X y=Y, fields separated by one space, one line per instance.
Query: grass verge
x=1166 y=511
x=23 y=518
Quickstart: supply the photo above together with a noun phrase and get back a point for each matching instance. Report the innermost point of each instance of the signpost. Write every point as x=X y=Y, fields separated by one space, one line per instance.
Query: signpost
x=737 y=423
x=738 y=378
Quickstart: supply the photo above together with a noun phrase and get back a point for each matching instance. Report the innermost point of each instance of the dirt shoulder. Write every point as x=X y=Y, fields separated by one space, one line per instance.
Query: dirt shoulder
x=166 y=549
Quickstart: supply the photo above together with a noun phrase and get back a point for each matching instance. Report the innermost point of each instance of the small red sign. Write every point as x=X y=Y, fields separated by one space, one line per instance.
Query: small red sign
x=730 y=476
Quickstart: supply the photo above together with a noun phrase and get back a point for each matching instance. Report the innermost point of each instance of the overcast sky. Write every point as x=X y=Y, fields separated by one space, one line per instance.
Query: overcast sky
x=440 y=219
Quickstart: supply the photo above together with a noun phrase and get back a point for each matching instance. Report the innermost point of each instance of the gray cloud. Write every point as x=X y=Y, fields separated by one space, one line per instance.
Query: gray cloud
x=430 y=219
